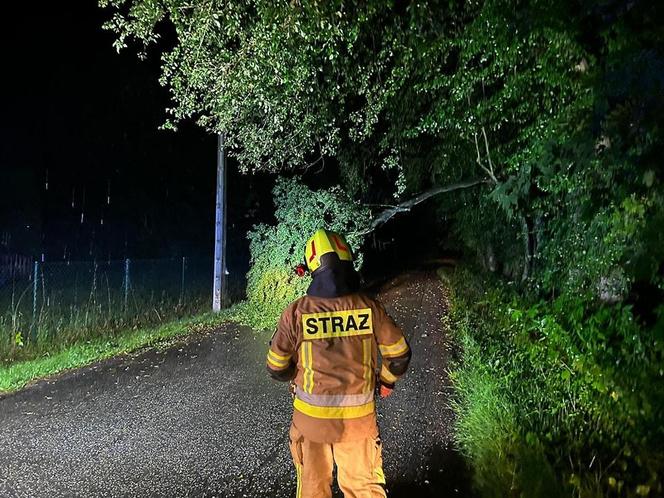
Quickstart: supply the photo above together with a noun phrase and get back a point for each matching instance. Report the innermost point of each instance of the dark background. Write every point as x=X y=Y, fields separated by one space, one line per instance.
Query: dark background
x=80 y=127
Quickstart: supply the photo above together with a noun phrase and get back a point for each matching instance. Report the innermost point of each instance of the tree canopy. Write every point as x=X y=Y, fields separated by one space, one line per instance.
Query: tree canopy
x=554 y=108
x=291 y=84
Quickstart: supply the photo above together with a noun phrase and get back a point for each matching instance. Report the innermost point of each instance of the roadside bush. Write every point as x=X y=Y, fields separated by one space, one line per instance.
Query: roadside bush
x=276 y=249
x=557 y=399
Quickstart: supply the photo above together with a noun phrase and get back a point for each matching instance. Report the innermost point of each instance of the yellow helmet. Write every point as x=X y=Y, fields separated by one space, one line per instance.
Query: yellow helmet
x=325 y=242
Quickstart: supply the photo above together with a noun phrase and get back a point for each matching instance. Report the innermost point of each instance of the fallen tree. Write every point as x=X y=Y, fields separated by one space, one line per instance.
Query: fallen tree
x=406 y=206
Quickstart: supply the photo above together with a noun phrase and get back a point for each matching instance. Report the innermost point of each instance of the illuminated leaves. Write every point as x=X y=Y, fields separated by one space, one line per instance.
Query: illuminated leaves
x=558 y=104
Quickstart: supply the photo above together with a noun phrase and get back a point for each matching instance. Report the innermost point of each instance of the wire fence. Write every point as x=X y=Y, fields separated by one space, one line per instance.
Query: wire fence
x=43 y=303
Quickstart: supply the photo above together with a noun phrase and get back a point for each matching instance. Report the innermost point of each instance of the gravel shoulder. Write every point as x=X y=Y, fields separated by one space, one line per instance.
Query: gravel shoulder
x=203 y=419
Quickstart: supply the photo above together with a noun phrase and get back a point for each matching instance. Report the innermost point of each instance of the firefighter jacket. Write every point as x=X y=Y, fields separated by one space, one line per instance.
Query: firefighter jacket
x=329 y=346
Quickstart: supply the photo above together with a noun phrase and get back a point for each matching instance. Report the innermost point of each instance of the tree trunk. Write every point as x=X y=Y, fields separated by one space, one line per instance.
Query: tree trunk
x=527 y=247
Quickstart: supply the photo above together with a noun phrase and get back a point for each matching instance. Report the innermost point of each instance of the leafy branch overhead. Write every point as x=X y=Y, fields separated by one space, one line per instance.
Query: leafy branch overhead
x=552 y=106
x=291 y=83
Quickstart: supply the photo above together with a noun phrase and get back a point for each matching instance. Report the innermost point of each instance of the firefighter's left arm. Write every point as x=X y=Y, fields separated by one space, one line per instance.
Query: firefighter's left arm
x=280 y=364
x=393 y=347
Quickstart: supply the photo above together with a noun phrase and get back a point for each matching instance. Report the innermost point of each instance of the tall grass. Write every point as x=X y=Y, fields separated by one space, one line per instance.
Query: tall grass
x=486 y=426
x=78 y=302
x=487 y=430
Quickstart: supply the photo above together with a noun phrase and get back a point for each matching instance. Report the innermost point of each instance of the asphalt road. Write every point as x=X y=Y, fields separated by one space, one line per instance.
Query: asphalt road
x=202 y=419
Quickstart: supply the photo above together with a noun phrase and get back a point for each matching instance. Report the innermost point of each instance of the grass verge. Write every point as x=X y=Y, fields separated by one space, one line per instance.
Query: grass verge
x=14 y=376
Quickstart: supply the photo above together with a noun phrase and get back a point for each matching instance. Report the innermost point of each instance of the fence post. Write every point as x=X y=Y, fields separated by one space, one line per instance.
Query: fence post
x=126 y=284
x=35 y=289
x=184 y=265
x=93 y=294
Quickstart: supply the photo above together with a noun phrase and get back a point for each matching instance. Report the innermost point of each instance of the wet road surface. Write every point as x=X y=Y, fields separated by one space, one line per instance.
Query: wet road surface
x=202 y=419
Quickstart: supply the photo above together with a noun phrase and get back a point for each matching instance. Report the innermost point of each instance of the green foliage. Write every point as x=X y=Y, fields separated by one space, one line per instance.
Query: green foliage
x=557 y=104
x=264 y=73
x=277 y=249
x=573 y=132
x=578 y=389
x=485 y=425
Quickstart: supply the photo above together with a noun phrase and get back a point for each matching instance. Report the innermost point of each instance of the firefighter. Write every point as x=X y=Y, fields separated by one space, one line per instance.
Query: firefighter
x=327 y=343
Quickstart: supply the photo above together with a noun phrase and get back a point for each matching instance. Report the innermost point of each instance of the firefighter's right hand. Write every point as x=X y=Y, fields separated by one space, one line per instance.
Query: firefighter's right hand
x=385 y=390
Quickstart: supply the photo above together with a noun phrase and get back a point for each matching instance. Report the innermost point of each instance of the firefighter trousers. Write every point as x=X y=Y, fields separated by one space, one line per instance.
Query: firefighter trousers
x=359 y=467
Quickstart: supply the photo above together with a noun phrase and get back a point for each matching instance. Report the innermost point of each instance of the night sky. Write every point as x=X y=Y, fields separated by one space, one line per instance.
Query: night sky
x=84 y=121
x=80 y=125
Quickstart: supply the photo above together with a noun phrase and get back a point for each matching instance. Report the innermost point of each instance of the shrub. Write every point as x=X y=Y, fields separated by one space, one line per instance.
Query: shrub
x=557 y=398
x=276 y=249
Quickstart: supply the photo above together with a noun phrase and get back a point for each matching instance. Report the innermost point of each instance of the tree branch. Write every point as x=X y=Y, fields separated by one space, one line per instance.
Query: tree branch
x=478 y=160
x=488 y=156
x=406 y=206
x=489 y=171
x=527 y=248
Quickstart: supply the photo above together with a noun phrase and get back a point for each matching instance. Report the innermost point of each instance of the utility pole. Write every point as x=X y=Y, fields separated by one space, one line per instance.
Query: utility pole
x=219 y=289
